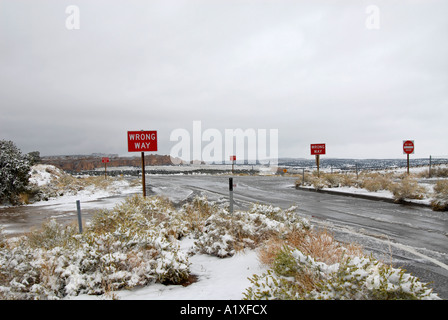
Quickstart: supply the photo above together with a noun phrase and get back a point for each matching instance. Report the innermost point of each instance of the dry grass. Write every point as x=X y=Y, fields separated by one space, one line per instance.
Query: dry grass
x=375 y=181
x=276 y=254
x=403 y=186
x=320 y=245
x=440 y=172
x=440 y=201
x=196 y=213
x=441 y=188
x=407 y=188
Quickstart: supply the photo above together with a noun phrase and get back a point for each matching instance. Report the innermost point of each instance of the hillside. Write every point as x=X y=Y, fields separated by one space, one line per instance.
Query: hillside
x=91 y=162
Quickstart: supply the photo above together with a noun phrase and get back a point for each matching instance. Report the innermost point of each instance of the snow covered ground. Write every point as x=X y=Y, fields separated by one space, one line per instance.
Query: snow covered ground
x=42 y=175
x=217 y=279
x=380 y=194
x=229 y=275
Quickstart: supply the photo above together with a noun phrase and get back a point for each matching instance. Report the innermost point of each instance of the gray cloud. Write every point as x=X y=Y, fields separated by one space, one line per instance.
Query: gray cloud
x=310 y=69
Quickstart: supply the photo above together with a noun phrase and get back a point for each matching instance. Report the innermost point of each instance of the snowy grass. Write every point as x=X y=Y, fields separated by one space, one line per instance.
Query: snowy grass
x=48 y=183
x=295 y=275
x=395 y=185
x=440 y=200
x=144 y=247
x=131 y=245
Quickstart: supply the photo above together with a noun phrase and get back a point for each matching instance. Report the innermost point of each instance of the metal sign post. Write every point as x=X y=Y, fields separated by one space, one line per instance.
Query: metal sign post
x=105 y=160
x=141 y=141
x=143 y=175
x=317 y=149
x=231 y=194
x=232 y=158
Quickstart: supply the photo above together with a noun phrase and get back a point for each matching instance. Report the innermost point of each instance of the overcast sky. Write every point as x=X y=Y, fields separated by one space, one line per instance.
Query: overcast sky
x=360 y=79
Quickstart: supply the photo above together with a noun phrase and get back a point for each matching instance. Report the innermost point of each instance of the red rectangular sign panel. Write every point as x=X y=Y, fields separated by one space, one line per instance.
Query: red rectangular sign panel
x=104 y=159
x=232 y=158
x=318 y=148
x=141 y=141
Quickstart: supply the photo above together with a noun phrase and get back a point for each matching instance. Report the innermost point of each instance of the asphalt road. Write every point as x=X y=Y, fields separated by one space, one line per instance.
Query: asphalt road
x=412 y=237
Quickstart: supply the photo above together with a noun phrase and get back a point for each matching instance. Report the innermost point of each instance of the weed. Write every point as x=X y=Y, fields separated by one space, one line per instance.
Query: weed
x=408 y=188
x=440 y=200
x=295 y=275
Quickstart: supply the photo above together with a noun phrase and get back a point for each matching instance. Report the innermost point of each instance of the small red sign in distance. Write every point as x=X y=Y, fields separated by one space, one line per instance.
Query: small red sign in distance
x=408 y=146
x=317 y=148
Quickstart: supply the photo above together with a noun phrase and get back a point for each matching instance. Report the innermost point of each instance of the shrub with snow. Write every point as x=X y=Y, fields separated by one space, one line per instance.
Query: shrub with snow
x=14 y=172
x=136 y=243
x=127 y=246
x=224 y=234
x=295 y=275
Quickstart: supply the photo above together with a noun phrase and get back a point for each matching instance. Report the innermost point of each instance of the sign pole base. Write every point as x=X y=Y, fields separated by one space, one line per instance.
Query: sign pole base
x=231 y=194
x=408 y=163
x=143 y=175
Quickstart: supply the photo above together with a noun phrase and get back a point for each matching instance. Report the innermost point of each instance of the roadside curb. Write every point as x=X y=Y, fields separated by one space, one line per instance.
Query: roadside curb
x=365 y=196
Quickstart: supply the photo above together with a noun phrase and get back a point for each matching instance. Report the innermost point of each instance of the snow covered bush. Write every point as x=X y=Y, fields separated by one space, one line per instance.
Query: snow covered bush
x=14 y=172
x=320 y=244
x=224 y=234
x=136 y=244
x=195 y=213
x=132 y=244
x=295 y=275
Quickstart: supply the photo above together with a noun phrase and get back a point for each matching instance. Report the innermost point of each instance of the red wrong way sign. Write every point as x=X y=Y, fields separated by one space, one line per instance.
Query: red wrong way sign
x=408 y=146
x=142 y=141
x=317 y=148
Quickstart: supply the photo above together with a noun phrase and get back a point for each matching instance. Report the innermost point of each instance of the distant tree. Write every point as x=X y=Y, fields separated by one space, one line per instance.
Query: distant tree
x=14 y=171
x=34 y=157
